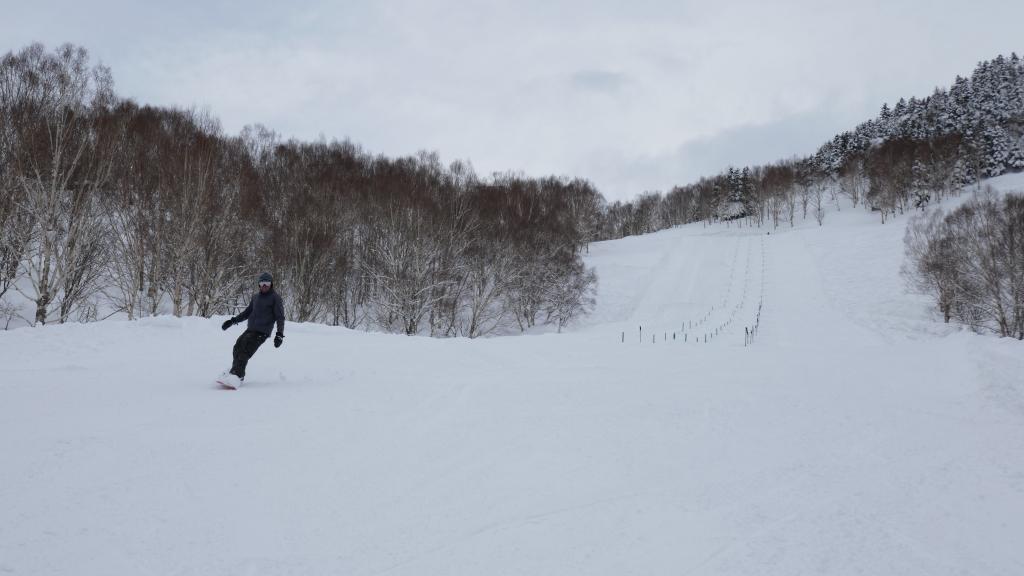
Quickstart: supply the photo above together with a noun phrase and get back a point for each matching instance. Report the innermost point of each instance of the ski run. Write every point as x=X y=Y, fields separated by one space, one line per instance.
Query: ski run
x=854 y=433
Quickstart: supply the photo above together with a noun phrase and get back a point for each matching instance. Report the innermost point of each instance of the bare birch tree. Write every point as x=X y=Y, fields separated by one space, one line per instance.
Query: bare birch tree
x=60 y=98
x=14 y=220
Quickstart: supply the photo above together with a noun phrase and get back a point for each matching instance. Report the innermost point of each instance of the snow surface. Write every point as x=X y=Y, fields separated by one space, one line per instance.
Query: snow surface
x=857 y=435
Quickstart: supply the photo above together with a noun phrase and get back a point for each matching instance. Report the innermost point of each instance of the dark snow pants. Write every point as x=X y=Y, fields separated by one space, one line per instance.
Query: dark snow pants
x=245 y=347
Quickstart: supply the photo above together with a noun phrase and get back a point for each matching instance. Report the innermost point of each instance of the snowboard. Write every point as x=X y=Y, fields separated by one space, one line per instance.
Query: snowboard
x=229 y=381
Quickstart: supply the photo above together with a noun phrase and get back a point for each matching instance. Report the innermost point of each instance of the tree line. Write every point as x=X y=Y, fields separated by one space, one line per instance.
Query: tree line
x=111 y=207
x=912 y=154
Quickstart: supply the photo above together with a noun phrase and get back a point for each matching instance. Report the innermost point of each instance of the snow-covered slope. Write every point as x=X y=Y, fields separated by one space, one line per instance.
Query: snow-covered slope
x=857 y=435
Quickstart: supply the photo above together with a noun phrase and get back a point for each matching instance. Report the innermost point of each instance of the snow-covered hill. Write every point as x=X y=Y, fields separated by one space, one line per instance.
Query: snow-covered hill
x=857 y=435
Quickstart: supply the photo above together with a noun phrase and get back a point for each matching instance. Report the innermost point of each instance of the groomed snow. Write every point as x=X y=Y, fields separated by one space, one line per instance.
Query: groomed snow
x=857 y=435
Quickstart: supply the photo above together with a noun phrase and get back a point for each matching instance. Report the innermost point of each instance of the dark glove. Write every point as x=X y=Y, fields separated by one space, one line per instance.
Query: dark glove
x=227 y=324
x=278 y=340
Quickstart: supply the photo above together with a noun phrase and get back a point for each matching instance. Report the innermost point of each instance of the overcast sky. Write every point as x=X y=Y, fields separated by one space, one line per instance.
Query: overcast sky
x=634 y=98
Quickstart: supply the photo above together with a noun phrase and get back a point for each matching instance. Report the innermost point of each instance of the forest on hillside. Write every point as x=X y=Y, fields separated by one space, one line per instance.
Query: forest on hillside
x=111 y=207
x=914 y=153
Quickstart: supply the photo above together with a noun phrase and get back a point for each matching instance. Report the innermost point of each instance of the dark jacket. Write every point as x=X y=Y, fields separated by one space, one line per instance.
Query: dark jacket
x=262 y=312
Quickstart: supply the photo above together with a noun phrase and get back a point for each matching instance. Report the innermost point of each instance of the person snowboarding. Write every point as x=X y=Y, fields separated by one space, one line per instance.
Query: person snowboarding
x=265 y=309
